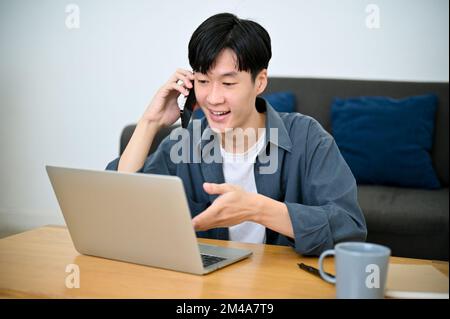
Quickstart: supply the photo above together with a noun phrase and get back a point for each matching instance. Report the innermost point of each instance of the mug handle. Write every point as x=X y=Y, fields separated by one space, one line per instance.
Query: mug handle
x=321 y=271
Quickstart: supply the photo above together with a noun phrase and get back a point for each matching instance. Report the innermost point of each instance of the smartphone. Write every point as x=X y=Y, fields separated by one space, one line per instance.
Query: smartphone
x=188 y=109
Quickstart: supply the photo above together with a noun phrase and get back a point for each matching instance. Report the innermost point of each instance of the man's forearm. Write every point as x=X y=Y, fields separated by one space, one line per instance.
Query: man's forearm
x=136 y=152
x=273 y=214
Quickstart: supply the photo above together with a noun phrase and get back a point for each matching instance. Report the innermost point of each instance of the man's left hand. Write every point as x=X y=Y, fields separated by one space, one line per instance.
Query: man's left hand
x=232 y=207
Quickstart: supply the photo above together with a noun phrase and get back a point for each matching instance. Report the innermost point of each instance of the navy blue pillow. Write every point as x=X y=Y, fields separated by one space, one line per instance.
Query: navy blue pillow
x=387 y=141
x=281 y=102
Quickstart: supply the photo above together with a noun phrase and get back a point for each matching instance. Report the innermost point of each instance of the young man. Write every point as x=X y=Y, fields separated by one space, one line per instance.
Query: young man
x=308 y=201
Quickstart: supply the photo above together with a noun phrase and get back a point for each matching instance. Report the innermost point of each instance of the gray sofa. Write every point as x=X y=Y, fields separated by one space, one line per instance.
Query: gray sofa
x=412 y=222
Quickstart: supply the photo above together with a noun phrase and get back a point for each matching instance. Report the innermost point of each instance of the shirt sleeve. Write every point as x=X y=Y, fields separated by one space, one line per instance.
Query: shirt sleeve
x=329 y=212
x=157 y=163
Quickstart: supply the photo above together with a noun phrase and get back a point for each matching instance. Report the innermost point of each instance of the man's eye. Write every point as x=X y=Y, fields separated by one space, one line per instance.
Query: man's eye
x=229 y=84
x=202 y=81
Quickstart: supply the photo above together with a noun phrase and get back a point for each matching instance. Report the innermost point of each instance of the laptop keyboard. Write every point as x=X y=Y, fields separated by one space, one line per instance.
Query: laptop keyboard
x=208 y=260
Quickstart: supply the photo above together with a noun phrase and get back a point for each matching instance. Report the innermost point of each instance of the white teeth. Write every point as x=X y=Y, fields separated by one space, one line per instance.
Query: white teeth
x=219 y=113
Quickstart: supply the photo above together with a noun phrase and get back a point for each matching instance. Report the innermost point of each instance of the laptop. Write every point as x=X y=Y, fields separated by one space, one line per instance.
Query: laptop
x=137 y=218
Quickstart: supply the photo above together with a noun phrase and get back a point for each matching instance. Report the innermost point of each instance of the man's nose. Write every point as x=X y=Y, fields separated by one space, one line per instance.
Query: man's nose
x=215 y=95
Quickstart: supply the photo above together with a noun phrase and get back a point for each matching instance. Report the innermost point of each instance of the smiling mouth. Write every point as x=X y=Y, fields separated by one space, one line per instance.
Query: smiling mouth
x=219 y=113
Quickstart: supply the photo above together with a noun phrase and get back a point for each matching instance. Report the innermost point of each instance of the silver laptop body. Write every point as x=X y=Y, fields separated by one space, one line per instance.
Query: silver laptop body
x=138 y=218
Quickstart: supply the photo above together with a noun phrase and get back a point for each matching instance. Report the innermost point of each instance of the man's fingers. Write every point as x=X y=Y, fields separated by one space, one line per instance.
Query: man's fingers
x=212 y=188
x=206 y=219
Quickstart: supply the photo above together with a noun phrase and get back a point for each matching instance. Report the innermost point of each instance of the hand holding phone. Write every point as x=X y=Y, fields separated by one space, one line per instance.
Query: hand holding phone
x=164 y=109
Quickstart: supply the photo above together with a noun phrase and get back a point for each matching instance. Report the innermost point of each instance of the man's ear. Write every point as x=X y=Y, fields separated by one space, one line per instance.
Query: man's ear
x=261 y=81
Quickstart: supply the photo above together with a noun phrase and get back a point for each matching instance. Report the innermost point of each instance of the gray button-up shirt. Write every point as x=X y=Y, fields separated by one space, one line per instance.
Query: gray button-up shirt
x=310 y=176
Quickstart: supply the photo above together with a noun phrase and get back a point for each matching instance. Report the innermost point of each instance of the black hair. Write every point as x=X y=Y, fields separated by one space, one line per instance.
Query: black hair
x=249 y=41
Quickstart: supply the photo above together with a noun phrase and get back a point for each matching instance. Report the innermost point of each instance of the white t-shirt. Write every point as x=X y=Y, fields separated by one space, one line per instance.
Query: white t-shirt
x=238 y=170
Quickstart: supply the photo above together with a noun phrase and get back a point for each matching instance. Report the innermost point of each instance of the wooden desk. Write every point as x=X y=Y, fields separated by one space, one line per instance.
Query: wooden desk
x=33 y=264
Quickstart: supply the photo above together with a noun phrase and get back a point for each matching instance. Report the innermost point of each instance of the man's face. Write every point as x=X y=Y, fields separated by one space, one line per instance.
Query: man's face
x=225 y=89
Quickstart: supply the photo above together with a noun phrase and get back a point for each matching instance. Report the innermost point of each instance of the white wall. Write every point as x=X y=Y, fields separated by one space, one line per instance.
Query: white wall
x=65 y=94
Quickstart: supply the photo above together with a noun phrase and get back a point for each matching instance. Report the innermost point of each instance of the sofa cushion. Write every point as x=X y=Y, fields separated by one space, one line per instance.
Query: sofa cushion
x=409 y=211
x=281 y=101
x=387 y=141
x=409 y=217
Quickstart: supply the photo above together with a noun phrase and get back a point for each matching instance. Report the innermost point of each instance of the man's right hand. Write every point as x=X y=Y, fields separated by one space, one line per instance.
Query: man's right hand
x=163 y=109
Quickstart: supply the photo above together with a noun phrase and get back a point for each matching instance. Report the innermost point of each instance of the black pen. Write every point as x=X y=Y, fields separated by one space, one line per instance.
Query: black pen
x=312 y=270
